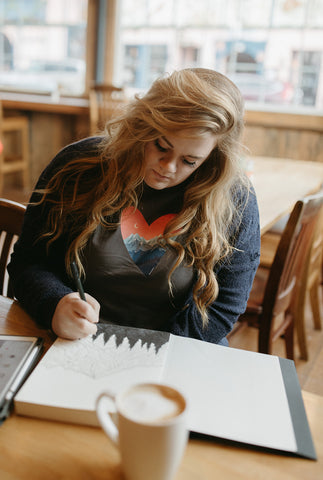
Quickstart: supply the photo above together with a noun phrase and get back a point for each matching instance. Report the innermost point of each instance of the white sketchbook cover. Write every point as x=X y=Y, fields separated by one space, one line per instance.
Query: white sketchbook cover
x=232 y=394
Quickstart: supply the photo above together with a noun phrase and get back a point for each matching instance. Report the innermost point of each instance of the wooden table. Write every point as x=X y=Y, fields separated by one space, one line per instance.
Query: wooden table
x=280 y=182
x=35 y=449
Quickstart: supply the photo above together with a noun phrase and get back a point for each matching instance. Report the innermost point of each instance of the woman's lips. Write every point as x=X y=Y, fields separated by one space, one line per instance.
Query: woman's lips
x=158 y=175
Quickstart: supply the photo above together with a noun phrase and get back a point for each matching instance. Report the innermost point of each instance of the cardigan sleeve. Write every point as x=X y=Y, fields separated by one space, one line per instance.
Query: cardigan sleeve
x=235 y=278
x=38 y=275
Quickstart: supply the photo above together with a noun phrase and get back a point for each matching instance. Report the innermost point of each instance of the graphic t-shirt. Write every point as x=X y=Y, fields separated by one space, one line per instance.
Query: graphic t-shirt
x=142 y=227
x=141 y=239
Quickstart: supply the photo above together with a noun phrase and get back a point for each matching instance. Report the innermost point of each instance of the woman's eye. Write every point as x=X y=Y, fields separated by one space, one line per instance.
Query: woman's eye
x=191 y=164
x=159 y=147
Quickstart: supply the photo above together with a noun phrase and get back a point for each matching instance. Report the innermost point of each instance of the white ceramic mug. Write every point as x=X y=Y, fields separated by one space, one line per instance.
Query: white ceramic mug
x=150 y=429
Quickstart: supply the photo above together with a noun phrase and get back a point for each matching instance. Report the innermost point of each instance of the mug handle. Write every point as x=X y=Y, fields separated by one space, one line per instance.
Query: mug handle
x=104 y=416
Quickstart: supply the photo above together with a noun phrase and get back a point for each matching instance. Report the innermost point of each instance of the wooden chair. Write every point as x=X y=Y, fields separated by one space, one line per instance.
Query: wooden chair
x=11 y=220
x=105 y=101
x=309 y=282
x=271 y=305
x=17 y=126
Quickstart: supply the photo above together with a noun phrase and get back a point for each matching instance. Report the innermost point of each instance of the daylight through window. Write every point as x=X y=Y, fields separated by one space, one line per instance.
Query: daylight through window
x=272 y=49
x=43 y=45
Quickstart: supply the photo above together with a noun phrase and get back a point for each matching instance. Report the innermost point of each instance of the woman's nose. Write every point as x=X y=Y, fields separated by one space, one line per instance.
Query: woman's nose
x=168 y=163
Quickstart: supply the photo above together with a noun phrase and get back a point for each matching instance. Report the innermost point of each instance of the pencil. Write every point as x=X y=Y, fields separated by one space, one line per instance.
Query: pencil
x=77 y=281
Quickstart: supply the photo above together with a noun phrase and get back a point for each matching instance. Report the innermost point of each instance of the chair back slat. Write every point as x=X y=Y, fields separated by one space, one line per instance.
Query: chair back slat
x=105 y=100
x=309 y=278
x=11 y=221
x=280 y=282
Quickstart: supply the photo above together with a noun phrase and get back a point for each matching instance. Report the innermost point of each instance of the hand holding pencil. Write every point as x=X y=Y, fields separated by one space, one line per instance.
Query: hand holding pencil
x=76 y=314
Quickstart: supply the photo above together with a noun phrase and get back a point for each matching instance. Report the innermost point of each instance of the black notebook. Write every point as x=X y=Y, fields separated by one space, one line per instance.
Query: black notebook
x=18 y=355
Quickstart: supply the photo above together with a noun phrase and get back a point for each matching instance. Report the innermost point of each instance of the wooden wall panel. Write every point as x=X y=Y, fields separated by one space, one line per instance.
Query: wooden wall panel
x=47 y=135
x=273 y=142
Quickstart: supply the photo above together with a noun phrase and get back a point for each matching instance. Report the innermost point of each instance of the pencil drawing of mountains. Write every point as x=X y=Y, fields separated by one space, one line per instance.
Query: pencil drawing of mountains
x=72 y=373
x=112 y=349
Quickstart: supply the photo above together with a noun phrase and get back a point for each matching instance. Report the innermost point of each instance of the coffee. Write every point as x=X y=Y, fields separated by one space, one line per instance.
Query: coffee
x=150 y=429
x=149 y=403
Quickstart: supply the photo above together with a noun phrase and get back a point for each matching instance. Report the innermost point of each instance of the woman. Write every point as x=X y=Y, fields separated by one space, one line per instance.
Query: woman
x=157 y=213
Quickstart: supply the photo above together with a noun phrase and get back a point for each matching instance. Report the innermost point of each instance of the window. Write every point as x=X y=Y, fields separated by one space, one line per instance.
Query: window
x=142 y=64
x=273 y=49
x=307 y=66
x=43 y=46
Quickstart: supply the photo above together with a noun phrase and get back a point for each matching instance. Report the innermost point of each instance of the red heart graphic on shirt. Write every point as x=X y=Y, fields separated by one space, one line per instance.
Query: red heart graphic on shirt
x=132 y=222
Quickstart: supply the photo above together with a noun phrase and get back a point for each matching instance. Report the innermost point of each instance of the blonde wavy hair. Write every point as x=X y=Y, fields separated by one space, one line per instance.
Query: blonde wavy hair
x=92 y=191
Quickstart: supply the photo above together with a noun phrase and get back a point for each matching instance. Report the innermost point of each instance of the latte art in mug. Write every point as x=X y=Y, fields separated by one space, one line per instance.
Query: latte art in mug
x=151 y=404
x=150 y=432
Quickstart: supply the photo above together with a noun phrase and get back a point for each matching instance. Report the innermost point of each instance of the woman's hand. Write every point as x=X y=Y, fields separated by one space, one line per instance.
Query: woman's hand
x=73 y=318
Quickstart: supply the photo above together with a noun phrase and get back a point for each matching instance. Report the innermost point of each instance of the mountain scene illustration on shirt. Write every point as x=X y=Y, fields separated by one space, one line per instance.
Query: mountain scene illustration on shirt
x=141 y=239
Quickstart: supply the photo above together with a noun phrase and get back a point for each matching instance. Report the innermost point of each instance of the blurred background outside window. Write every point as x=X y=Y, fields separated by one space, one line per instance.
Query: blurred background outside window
x=43 y=45
x=272 y=49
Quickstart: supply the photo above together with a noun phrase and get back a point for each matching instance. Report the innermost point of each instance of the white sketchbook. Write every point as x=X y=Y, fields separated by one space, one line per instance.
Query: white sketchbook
x=232 y=394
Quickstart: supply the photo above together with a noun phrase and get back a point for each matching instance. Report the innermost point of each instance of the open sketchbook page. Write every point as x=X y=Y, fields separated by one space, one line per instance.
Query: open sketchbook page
x=73 y=373
x=233 y=394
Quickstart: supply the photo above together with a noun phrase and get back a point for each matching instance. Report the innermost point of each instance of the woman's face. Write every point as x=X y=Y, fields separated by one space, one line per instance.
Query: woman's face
x=172 y=159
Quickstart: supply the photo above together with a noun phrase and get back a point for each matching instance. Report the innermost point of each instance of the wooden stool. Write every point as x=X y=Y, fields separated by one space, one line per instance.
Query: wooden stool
x=17 y=125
